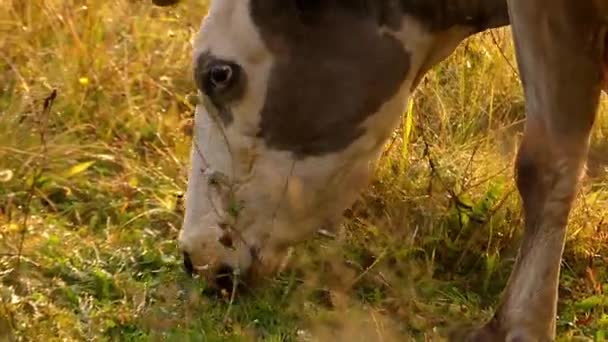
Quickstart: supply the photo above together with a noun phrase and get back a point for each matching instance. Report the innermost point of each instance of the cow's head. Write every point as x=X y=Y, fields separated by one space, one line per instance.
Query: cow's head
x=298 y=98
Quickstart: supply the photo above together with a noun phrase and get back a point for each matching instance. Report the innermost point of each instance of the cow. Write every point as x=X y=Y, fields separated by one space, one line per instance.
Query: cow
x=299 y=97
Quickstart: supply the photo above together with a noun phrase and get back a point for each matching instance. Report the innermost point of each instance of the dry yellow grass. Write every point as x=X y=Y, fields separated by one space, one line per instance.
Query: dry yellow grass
x=90 y=197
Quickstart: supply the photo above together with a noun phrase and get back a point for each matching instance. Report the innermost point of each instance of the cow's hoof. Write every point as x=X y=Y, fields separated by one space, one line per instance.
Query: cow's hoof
x=492 y=332
x=487 y=333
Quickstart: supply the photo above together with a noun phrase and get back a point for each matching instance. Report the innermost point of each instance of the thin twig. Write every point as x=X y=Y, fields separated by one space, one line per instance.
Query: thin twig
x=434 y=172
x=285 y=188
x=367 y=270
x=15 y=70
x=235 y=282
x=389 y=147
x=468 y=169
x=484 y=180
x=42 y=130
x=502 y=53
x=378 y=327
x=11 y=255
x=215 y=178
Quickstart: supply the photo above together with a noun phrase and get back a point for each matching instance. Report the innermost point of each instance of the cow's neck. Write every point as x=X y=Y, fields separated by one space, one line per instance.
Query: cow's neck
x=442 y=15
x=431 y=29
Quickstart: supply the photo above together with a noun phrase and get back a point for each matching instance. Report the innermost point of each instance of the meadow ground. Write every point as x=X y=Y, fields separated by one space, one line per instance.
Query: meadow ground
x=95 y=113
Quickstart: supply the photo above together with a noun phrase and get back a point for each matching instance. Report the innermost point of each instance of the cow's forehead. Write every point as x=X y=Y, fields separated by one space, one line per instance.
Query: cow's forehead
x=228 y=32
x=333 y=66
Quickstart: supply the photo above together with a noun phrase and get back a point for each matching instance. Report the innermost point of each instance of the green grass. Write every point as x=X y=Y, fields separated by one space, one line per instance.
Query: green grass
x=90 y=197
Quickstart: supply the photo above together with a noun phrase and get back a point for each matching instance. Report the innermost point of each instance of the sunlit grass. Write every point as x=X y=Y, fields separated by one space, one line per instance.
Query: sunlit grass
x=90 y=197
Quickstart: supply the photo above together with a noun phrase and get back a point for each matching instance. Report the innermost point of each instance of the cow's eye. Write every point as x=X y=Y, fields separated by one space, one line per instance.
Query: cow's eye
x=221 y=76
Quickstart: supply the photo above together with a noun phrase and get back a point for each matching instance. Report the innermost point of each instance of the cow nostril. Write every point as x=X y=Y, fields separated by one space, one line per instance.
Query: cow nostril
x=224 y=278
x=226 y=241
x=188 y=264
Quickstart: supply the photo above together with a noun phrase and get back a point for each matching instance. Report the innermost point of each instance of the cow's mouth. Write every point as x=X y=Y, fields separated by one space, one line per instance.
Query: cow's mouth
x=224 y=279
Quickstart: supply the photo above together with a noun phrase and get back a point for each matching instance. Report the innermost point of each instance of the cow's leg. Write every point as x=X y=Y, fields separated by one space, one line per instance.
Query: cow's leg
x=559 y=45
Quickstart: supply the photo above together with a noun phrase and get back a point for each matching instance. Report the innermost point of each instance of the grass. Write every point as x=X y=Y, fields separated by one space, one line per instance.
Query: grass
x=91 y=182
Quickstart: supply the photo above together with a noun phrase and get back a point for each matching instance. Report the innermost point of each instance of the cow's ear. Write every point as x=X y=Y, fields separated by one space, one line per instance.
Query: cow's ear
x=163 y=3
